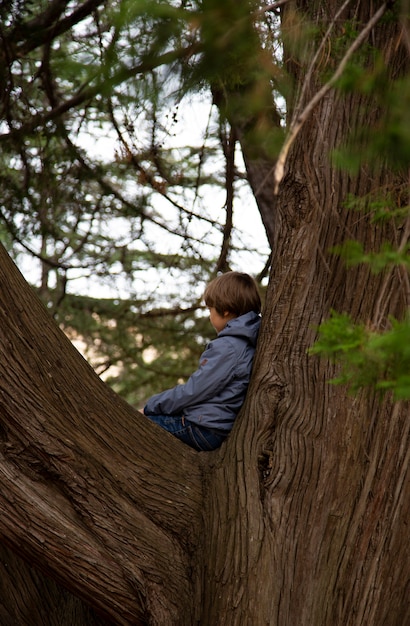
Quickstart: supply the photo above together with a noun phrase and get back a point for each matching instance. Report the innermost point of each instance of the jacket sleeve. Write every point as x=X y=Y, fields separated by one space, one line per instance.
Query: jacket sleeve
x=216 y=371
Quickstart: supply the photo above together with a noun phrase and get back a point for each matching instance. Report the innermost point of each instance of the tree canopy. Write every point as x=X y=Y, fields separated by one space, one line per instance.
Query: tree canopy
x=119 y=180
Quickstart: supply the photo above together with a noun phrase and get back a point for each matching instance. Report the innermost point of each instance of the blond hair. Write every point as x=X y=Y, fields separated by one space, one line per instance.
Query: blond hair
x=235 y=292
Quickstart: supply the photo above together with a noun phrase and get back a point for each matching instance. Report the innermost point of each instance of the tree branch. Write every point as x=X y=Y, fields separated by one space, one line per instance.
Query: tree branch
x=228 y=144
x=82 y=474
x=43 y=29
x=85 y=95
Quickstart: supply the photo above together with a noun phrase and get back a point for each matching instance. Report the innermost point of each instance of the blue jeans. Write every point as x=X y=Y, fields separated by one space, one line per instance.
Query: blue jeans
x=198 y=437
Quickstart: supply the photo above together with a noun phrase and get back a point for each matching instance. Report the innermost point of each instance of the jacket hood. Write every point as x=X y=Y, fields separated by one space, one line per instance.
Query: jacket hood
x=245 y=326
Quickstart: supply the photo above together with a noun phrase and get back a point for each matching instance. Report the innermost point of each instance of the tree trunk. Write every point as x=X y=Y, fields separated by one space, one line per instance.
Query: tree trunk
x=300 y=518
x=27 y=598
x=313 y=503
x=83 y=496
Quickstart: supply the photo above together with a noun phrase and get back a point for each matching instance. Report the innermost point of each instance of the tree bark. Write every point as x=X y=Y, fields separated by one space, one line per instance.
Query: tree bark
x=301 y=517
x=27 y=598
x=83 y=496
x=312 y=497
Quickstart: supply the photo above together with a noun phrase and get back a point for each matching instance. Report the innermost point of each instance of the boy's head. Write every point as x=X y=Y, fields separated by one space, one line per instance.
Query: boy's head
x=233 y=292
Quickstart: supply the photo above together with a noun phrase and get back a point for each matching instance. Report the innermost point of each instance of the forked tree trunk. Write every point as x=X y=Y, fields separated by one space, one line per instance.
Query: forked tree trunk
x=301 y=518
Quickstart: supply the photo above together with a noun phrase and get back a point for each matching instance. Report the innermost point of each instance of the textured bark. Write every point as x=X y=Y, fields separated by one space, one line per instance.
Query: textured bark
x=83 y=495
x=27 y=598
x=300 y=518
x=313 y=499
x=316 y=518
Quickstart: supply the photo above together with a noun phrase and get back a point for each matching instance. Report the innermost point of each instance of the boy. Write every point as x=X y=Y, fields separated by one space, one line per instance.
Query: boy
x=202 y=411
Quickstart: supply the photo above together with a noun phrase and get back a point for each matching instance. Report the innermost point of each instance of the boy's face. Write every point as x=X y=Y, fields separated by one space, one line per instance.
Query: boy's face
x=219 y=321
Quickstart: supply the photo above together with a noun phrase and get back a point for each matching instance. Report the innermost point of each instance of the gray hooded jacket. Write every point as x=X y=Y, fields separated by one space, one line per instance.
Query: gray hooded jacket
x=213 y=395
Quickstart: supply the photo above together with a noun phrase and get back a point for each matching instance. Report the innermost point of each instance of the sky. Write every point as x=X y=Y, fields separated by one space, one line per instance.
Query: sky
x=186 y=128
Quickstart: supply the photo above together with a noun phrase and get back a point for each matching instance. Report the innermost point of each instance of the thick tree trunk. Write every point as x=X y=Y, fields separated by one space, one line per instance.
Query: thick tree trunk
x=83 y=495
x=313 y=502
x=27 y=598
x=317 y=516
x=300 y=518
x=313 y=499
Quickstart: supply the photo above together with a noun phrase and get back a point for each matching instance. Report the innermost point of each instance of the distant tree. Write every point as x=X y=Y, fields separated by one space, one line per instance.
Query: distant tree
x=302 y=516
x=80 y=219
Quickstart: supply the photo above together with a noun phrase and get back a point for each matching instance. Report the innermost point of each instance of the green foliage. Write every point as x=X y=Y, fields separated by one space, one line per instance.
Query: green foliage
x=137 y=354
x=381 y=205
x=388 y=141
x=353 y=253
x=379 y=360
x=369 y=357
x=141 y=220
